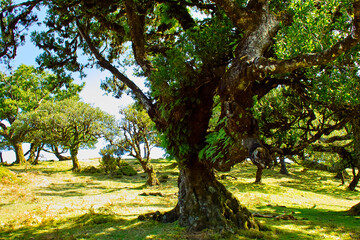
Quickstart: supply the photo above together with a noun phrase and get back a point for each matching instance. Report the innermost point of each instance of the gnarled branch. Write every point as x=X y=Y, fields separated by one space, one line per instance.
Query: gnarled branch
x=147 y=103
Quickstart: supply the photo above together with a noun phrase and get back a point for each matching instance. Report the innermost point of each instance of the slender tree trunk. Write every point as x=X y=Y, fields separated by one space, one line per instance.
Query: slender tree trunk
x=258 y=174
x=19 y=153
x=205 y=203
x=1 y=158
x=32 y=150
x=283 y=169
x=354 y=182
x=75 y=160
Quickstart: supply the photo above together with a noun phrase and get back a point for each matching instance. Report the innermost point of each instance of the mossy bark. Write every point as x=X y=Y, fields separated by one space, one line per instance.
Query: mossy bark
x=149 y=169
x=75 y=160
x=204 y=203
x=19 y=153
x=152 y=179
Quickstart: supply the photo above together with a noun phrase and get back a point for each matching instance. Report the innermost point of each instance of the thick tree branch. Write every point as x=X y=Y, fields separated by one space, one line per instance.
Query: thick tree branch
x=333 y=139
x=9 y=36
x=241 y=17
x=266 y=66
x=4 y=127
x=326 y=130
x=180 y=13
x=148 y=105
x=136 y=22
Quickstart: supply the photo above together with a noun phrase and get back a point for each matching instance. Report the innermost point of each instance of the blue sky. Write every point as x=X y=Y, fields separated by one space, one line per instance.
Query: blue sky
x=91 y=94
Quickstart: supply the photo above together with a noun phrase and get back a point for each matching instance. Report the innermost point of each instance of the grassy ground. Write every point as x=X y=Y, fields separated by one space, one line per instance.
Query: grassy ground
x=48 y=201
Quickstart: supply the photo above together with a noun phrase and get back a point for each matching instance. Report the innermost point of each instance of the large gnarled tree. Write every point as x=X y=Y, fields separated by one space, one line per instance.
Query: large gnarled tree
x=231 y=50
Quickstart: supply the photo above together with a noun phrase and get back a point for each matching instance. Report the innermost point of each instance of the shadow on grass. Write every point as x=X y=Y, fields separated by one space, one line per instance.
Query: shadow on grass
x=97 y=226
x=314 y=181
x=107 y=226
x=314 y=223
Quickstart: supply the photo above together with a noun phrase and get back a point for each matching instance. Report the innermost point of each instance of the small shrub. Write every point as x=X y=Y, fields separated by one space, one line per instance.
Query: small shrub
x=123 y=163
x=109 y=163
x=128 y=170
x=118 y=173
x=91 y=169
x=164 y=178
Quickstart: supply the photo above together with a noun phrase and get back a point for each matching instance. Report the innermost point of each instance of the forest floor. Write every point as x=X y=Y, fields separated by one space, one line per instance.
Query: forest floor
x=48 y=201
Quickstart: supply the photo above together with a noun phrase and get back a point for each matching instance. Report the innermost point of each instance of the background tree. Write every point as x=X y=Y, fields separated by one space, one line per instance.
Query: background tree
x=68 y=123
x=315 y=118
x=237 y=50
x=137 y=138
x=22 y=91
x=58 y=152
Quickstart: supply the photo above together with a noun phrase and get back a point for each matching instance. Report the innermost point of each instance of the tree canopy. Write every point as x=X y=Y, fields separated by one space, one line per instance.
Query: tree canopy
x=23 y=91
x=69 y=123
x=137 y=136
x=191 y=52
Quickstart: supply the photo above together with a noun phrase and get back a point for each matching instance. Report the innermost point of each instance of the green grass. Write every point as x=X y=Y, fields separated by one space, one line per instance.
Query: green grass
x=49 y=201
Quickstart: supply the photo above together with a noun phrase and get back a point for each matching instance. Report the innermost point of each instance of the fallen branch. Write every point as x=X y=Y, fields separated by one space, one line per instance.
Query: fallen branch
x=152 y=194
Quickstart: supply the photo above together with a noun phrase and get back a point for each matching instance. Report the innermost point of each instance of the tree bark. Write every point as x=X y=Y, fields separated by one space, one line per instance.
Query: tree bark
x=75 y=160
x=19 y=153
x=1 y=158
x=31 y=159
x=149 y=169
x=205 y=203
x=258 y=174
x=283 y=169
x=354 y=182
x=58 y=154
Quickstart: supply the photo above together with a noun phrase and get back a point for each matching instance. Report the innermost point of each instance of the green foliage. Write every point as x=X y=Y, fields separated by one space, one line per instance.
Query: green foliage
x=115 y=166
x=127 y=170
x=22 y=92
x=316 y=27
x=218 y=143
x=69 y=123
x=108 y=162
x=24 y=89
x=137 y=134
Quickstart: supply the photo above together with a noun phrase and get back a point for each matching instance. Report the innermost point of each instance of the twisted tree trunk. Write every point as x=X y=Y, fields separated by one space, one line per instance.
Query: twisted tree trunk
x=75 y=160
x=204 y=203
x=354 y=181
x=19 y=153
x=149 y=170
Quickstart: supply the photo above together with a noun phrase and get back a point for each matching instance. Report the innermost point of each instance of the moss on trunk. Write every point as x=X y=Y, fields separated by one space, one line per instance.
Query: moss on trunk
x=204 y=203
x=19 y=153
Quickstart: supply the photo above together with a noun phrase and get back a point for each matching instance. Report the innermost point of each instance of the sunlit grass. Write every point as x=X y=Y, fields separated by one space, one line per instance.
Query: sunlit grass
x=49 y=201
